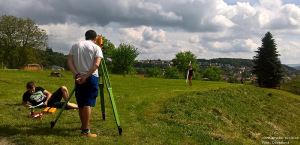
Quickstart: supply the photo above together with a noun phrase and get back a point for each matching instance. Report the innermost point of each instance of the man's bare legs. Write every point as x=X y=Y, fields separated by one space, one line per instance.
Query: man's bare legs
x=80 y=111
x=65 y=92
x=85 y=115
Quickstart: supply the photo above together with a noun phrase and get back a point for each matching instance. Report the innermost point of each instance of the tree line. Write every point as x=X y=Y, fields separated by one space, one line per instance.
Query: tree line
x=20 y=40
x=23 y=42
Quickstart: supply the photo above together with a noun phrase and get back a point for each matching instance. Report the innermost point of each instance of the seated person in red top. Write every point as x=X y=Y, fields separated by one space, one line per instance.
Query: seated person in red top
x=37 y=95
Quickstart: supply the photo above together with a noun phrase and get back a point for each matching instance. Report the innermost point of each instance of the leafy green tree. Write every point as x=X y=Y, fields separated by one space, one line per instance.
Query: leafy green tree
x=267 y=66
x=171 y=73
x=153 y=72
x=19 y=40
x=123 y=59
x=51 y=58
x=198 y=75
x=108 y=49
x=182 y=60
x=212 y=73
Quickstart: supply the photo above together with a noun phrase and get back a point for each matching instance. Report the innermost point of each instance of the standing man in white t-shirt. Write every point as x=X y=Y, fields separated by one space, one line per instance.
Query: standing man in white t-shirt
x=83 y=60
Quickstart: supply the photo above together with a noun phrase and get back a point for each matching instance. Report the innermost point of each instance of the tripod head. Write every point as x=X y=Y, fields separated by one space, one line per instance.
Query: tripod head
x=99 y=41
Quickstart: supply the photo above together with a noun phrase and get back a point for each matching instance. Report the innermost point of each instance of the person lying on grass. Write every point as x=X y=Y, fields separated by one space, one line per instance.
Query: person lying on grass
x=37 y=95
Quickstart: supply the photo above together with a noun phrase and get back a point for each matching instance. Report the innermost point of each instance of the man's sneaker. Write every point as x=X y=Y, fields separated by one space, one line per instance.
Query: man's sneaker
x=88 y=134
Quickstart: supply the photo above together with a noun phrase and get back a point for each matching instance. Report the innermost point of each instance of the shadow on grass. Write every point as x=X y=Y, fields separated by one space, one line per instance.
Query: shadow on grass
x=4 y=81
x=8 y=130
x=45 y=130
x=14 y=104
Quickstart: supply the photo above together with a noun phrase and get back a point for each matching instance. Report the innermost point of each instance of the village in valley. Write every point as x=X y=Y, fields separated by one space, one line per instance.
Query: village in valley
x=233 y=70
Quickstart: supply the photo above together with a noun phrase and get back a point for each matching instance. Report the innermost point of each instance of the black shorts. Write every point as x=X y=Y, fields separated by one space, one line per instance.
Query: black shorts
x=55 y=99
x=86 y=93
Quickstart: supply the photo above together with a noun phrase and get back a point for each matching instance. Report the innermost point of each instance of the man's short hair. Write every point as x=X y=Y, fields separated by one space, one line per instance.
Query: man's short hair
x=90 y=35
x=30 y=85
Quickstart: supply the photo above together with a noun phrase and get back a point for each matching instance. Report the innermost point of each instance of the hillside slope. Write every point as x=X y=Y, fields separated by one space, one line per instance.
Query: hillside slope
x=292 y=85
x=234 y=115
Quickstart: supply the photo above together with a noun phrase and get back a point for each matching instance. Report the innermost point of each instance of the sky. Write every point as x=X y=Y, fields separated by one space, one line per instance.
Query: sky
x=162 y=28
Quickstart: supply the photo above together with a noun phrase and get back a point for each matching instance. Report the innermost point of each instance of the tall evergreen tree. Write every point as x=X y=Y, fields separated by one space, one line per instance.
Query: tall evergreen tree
x=267 y=66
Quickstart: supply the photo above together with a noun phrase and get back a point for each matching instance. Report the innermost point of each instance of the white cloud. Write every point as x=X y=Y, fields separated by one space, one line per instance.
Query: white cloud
x=194 y=39
x=289 y=51
x=156 y=8
x=144 y=36
x=285 y=16
x=271 y=4
x=220 y=45
x=293 y=13
x=63 y=36
x=251 y=44
x=245 y=9
x=160 y=29
x=221 y=20
x=152 y=35
x=264 y=17
x=133 y=34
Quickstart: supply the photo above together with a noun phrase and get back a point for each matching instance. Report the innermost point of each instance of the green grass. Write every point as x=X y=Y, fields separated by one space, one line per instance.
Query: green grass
x=154 y=111
x=292 y=85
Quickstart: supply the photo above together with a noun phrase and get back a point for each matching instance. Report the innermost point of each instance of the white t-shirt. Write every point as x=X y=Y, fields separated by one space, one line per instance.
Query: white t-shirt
x=84 y=53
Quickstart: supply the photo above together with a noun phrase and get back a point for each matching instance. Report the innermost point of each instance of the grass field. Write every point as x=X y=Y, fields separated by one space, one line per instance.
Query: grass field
x=156 y=111
x=292 y=85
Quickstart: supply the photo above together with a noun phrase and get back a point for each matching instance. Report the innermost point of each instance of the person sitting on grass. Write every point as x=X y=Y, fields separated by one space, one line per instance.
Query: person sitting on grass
x=37 y=95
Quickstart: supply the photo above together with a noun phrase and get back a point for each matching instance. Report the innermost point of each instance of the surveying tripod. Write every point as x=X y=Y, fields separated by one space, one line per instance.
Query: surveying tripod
x=105 y=80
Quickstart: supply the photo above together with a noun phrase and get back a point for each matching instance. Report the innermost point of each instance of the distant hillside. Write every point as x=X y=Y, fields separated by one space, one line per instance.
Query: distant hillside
x=237 y=62
x=290 y=69
x=293 y=65
x=227 y=64
x=296 y=66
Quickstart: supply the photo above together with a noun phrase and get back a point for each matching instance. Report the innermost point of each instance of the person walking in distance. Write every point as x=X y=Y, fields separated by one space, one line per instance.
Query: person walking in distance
x=83 y=60
x=190 y=74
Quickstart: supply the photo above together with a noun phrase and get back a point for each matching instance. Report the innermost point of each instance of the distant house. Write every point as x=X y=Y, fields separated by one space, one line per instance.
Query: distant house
x=34 y=67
